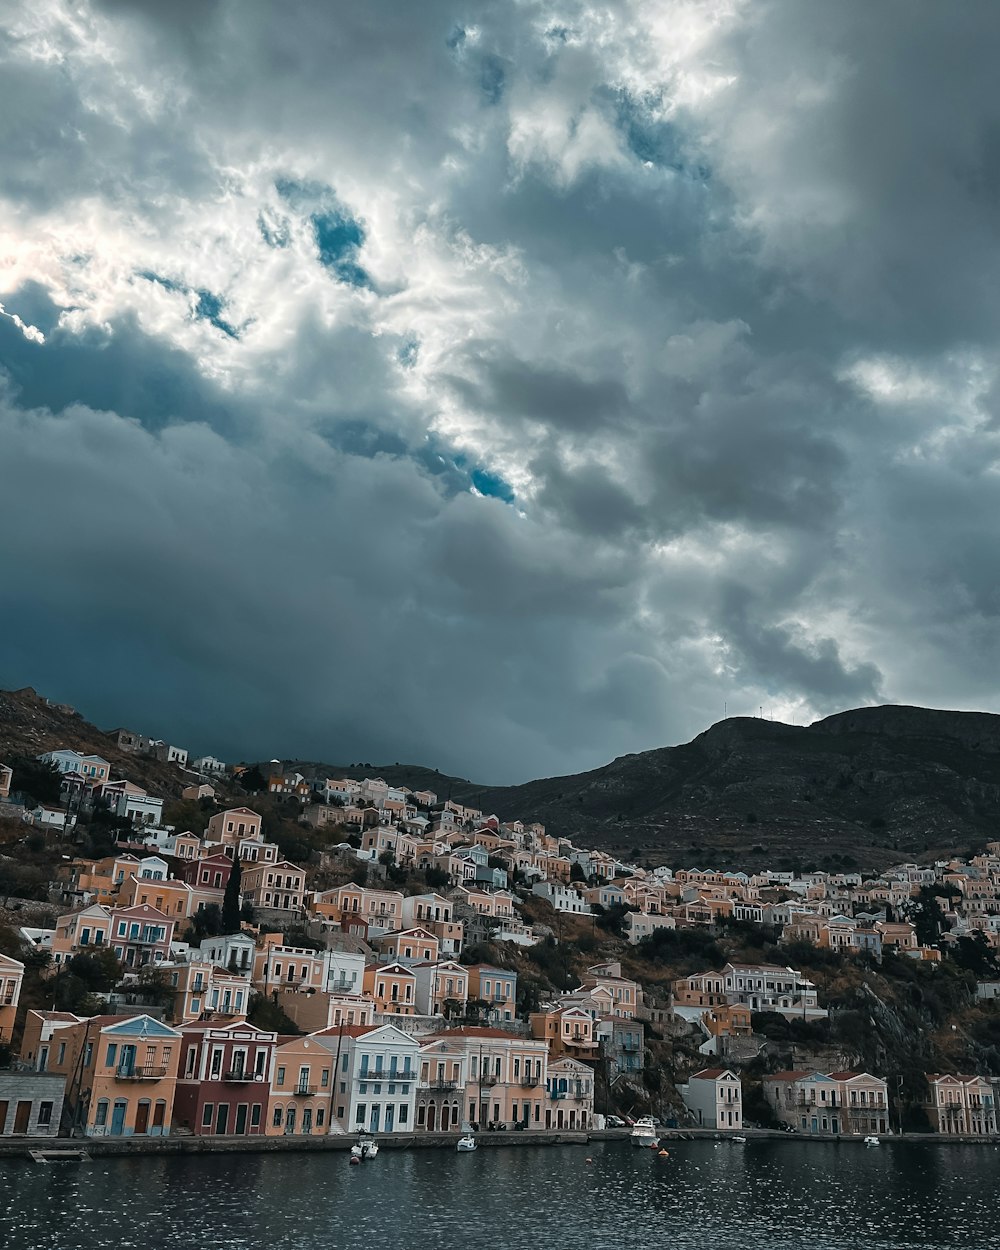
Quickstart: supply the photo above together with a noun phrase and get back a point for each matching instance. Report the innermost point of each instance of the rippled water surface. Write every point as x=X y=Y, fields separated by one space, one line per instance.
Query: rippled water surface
x=765 y=1195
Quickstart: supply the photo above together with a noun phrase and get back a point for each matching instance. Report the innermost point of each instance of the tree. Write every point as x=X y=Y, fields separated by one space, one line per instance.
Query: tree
x=231 y=899
x=576 y=872
x=927 y=916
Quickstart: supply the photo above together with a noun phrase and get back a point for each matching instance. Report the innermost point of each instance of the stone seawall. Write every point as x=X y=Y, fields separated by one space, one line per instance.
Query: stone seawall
x=342 y=1142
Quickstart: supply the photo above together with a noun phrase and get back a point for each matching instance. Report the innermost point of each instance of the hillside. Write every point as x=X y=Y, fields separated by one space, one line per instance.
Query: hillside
x=29 y=725
x=861 y=788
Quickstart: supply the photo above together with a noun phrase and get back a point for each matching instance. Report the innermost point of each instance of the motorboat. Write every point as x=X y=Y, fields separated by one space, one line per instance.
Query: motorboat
x=468 y=1142
x=644 y=1133
x=871 y=1140
x=740 y=1140
x=366 y=1147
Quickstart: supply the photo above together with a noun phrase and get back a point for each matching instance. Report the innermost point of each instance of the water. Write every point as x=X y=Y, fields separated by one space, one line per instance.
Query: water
x=766 y=1195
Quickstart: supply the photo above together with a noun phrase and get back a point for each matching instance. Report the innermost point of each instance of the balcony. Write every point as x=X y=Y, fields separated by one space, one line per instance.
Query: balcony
x=238 y=1075
x=129 y=1072
x=556 y=1094
x=529 y=1082
x=440 y=1086
x=487 y=1081
x=304 y=1091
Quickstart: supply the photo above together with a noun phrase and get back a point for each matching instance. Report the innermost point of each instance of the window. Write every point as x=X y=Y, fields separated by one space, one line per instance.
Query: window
x=281 y=1076
x=276 y=1119
x=44 y=1114
x=101 y=1115
x=360 y=1113
x=324 y=1078
x=404 y=1113
x=207 y=1115
x=112 y=1055
x=255 y=1115
x=88 y=1054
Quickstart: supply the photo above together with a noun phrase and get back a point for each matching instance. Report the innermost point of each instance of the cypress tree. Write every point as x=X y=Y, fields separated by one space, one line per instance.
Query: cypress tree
x=231 y=898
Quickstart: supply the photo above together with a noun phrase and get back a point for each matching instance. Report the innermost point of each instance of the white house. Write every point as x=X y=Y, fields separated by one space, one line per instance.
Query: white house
x=562 y=897
x=141 y=809
x=376 y=1081
x=714 y=1097
x=92 y=767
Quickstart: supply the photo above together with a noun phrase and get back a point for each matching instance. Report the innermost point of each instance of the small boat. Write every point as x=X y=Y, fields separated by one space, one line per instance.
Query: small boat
x=468 y=1142
x=871 y=1140
x=740 y=1140
x=644 y=1133
x=366 y=1147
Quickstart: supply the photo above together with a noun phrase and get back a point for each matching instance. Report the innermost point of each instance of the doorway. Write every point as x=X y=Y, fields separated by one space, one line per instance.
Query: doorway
x=241 y=1118
x=142 y=1117
x=22 y=1118
x=118 y=1118
x=222 y=1119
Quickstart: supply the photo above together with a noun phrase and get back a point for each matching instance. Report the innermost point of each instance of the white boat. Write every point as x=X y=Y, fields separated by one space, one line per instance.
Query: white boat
x=872 y=1141
x=466 y=1143
x=644 y=1133
x=740 y=1140
x=365 y=1147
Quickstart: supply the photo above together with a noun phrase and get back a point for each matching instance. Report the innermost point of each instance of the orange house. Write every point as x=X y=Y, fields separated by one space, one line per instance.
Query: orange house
x=392 y=988
x=121 y=1071
x=301 y=1089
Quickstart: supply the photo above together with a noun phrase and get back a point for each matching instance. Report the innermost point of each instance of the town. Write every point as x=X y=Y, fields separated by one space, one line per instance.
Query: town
x=405 y=964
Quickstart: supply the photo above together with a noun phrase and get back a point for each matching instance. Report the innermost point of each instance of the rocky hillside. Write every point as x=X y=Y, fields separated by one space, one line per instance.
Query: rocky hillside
x=862 y=788
x=30 y=725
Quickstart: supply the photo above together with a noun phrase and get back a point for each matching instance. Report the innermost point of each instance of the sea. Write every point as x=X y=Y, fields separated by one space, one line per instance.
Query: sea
x=764 y=1195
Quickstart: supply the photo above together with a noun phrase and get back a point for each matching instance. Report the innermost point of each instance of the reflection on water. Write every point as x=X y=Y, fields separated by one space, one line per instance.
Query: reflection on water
x=768 y=1195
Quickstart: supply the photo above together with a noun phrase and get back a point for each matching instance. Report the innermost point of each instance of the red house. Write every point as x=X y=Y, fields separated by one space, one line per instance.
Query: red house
x=224 y=1078
x=210 y=873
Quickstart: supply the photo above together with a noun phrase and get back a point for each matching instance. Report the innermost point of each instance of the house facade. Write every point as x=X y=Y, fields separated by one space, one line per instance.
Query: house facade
x=224 y=1078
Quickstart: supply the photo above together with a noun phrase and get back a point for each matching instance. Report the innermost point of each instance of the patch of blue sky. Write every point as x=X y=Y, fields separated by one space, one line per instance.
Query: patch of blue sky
x=208 y=306
x=408 y=353
x=648 y=136
x=456 y=38
x=492 y=485
x=338 y=239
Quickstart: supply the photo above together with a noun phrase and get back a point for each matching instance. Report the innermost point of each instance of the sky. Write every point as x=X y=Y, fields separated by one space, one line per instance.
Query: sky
x=501 y=386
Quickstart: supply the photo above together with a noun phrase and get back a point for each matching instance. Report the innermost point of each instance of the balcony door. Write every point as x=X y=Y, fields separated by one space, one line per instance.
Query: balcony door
x=126 y=1062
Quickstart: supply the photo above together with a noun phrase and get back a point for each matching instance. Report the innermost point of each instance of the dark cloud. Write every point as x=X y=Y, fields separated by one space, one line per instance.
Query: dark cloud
x=496 y=386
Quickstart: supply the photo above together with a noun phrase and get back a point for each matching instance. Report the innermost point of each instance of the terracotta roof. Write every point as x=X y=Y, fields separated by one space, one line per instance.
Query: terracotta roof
x=474 y=1032
x=711 y=1074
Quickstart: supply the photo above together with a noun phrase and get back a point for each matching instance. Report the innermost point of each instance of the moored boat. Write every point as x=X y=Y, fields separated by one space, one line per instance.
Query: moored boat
x=468 y=1142
x=644 y=1132
x=871 y=1140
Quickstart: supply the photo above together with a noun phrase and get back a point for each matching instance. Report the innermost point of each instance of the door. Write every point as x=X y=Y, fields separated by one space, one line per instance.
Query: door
x=118 y=1118
x=376 y=1114
x=389 y=1115
x=142 y=1117
x=307 y=1119
x=290 y=1121
x=241 y=1118
x=431 y=1113
x=22 y=1117
x=126 y=1064
x=4 y=1108
x=222 y=1119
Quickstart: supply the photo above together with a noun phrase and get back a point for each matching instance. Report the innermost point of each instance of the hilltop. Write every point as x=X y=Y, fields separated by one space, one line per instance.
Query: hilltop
x=862 y=788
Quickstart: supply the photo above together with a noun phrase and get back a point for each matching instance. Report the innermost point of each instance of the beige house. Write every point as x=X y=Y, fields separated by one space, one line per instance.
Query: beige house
x=961 y=1106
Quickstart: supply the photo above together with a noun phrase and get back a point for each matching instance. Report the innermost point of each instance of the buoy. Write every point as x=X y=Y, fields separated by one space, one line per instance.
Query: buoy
x=355 y=1161
x=664 y=1154
x=589 y=1160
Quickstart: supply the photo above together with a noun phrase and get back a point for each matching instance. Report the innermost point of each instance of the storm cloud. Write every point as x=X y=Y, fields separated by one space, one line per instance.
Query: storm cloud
x=499 y=386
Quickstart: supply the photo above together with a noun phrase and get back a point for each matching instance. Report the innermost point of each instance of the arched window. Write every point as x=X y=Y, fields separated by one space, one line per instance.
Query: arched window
x=276 y=1120
x=101 y=1114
